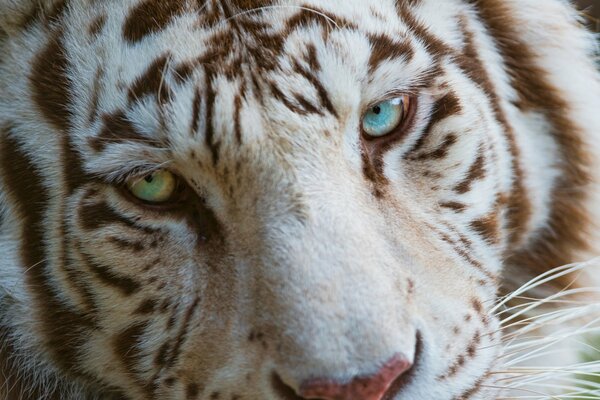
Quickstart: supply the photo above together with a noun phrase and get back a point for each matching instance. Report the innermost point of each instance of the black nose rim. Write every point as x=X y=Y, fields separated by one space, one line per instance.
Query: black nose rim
x=405 y=379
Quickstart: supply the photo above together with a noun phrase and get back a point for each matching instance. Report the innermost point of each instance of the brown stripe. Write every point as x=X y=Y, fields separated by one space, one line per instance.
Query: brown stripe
x=97 y=25
x=454 y=206
x=249 y=5
x=519 y=206
x=126 y=346
x=99 y=215
x=461 y=360
x=311 y=58
x=196 y=107
x=237 y=109
x=62 y=327
x=385 y=48
x=318 y=85
x=473 y=390
x=210 y=141
x=488 y=227
x=152 y=82
x=50 y=86
x=183 y=332
x=465 y=254
x=42 y=12
x=378 y=180
x=95 y=100
x=439 y=153
x=435 y=46
x=305 y=104
x=151 y=16
x=447 y=106
x=279 y=95
x=476 y=172
x=160 y=360
x=126 y=285
x=569 y=221
x=126 y=244
x=117 y=128
x=148 y=306
x=315 y=16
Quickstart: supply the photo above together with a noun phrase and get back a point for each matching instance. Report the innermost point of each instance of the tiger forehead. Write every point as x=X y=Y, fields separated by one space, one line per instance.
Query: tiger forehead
x=236 y=54
x=256 y=32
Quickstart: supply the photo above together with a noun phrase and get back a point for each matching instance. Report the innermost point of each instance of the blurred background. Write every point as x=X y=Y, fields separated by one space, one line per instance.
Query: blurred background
x=591 y=8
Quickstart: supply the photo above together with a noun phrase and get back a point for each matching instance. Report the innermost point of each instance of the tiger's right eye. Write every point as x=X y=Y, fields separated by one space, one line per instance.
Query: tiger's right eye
x=156 y=188
x=387 y=117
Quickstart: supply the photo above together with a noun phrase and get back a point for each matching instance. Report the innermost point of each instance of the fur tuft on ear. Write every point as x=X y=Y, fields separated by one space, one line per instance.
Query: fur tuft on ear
x=15 y=14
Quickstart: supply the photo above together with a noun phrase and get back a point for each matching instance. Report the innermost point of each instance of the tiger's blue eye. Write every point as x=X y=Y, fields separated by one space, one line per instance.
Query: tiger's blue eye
x=384 y=118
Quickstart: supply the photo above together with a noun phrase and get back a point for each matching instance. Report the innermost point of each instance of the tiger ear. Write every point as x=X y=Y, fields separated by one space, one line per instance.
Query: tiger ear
x=15 y=14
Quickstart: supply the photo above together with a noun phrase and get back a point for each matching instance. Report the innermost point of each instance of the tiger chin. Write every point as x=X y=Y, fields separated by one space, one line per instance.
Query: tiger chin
x=284 y=199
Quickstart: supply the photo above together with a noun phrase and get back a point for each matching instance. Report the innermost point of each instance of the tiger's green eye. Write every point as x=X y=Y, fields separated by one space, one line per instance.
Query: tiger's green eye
x=384 y=118
x=158 y=187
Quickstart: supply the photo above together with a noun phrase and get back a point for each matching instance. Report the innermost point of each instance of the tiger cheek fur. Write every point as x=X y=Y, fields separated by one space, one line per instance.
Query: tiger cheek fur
x=304 y=258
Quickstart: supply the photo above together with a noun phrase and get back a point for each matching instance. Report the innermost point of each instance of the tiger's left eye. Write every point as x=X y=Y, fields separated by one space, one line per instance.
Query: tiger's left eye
x=157 y=188
x=385 y=117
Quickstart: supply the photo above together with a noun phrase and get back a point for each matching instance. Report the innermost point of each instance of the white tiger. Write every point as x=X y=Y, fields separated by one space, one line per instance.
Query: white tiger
x=286 y=199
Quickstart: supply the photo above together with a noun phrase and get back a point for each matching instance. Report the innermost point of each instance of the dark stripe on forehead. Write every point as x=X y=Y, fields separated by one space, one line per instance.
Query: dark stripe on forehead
x=385 y=48
x=62 y=327
x=301 y=106
x=247 y=5
x=321 y=91
x=44 y=12
x=152 y=82
x=118 y=128
x=436 y=47
x=196 y=107
x=151 y=16
x=50 y=86
x=316 y=16
x=211 y=142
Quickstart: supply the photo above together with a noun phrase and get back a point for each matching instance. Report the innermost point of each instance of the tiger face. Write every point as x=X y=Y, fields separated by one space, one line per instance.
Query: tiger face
x=276 y=199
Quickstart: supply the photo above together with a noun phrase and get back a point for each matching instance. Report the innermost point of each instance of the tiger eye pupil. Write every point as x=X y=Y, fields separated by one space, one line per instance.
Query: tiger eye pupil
x=377 y=110
x=149 y=178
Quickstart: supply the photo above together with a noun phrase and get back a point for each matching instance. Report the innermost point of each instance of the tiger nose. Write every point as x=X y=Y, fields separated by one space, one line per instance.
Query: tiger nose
x=374 y=387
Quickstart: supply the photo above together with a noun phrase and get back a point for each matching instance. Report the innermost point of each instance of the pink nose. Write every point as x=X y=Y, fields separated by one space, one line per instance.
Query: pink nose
x=361 y=388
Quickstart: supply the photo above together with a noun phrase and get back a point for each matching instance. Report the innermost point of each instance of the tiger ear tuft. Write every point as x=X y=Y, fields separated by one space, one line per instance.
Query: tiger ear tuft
x=15 y=14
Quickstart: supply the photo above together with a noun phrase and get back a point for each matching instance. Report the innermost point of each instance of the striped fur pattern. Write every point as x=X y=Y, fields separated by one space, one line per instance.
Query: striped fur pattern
x=303 y=249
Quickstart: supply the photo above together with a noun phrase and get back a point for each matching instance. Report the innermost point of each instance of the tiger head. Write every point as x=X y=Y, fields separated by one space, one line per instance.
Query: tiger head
x=280 y=199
